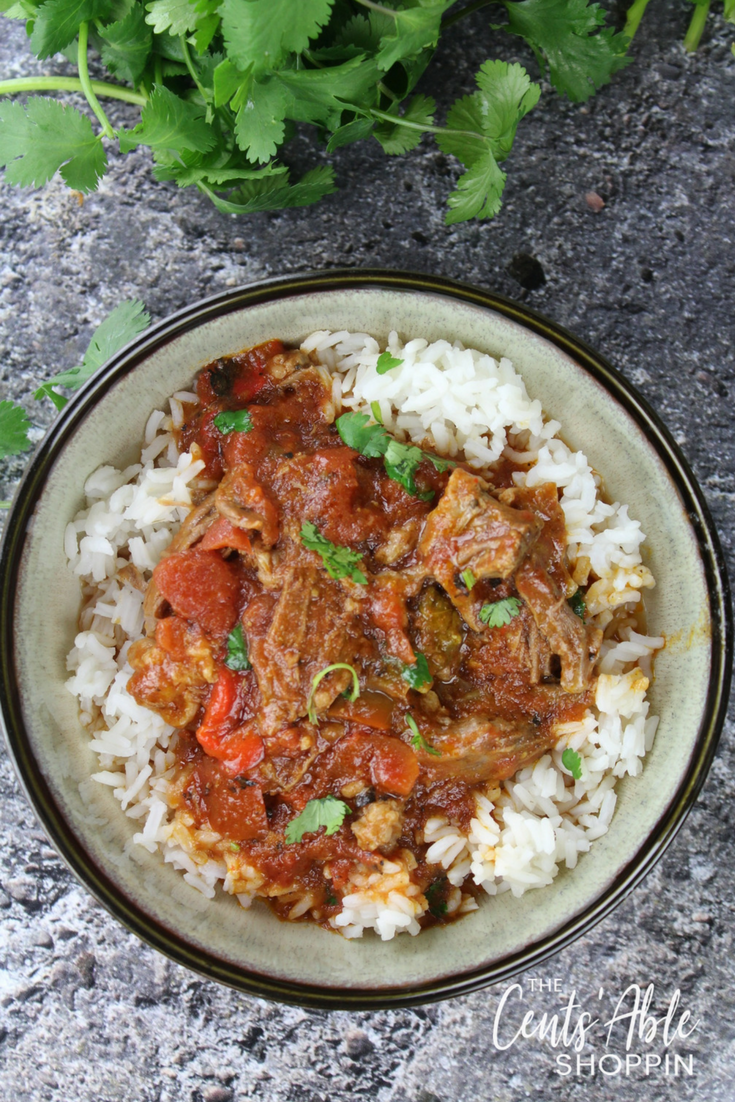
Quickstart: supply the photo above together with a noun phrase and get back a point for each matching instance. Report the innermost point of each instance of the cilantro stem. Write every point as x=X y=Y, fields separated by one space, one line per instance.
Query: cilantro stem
x=377 y=7
x=696 y=27
x=634 y=16
x=419 y=126
x=85 y=82
x=354 y=692
x=70 y=84
x=475 y=6
x=190 y=66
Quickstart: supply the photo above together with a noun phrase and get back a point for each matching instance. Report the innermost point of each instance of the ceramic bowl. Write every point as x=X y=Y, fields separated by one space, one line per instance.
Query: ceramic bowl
x=623 y=439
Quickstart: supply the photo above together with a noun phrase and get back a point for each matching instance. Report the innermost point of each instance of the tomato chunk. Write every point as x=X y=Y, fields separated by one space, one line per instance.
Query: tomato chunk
x=220 y=733
x=223 y=534
x=233 y=805
x=369 y=710
x=394 y=767
x=201 y=586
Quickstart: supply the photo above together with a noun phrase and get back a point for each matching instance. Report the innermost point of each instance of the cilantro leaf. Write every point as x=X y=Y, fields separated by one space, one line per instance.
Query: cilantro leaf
x=386 y=362
x=45 y=138
x=121 y=326
x=261 y=32
x=566 y=35
x=57 y=23
x=401 y=463
x=415 y=29
x=328 y=812
x=238 y=420
x=168 y=122
x=339 y=562
x=375 y=406
x=417 y=675
x=127 y=44
x=418 y=741
x=14 y=426
x=571 y=760
x=396 y=139
x=175 y=16
x=578 y=605
x=260 y=127
x=433 y=893
x=353 y=131
x=468 y=578
x=500 y=613
x=322 y=95
x=357 y=433
x=478 y=193
x=227 y=79
x=237 y=650
x=273 y=192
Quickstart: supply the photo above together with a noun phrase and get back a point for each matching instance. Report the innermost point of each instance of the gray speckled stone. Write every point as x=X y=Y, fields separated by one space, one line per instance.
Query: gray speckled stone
x=88 y=1013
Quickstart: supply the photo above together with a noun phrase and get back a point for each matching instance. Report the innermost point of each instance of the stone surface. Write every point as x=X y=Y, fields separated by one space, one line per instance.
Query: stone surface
x=618 y=223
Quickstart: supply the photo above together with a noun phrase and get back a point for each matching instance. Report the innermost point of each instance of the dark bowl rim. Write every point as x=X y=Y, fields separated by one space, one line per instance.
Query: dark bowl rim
x=61 y=833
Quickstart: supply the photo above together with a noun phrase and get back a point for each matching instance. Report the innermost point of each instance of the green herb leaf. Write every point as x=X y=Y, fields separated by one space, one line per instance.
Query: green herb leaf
x=328 y=812
x=175 y=16
x=237 y=420
x=273 y=192
x=261 y=32
x=127 y=44
x=121 y=326
x=578 y=605
x=14 y=426
x=401 y=462
x=358 y=433
x=339 y=562
x=260 y=124
x=386 y=362
x=47 y=137
x=57 y=23
x=323 y=95
x=566 y=34
x=170 y=123
x=237 y=650
x=353 y=131
x=418 y=675
x=375 y=406
x=418 y=741
x=468 y=578
x=415 y=29
x=437 y=888
x=500 y=613
x=478 y=193
x=571 y=760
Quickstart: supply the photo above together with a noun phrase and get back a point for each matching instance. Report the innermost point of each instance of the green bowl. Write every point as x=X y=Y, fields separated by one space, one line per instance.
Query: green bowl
x=601 y=414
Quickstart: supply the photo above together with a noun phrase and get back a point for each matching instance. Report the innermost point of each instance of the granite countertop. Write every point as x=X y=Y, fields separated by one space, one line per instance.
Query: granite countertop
x=88 y=1013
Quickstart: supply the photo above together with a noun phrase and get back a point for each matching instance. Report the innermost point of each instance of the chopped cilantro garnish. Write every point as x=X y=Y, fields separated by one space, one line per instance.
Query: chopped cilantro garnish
x=437 y=906
x=417 y=675
x=339 y=562
x=357 y=432
x=328 y=812
x=235 y=847
x=331 y=900
x=310 y=710
x=237 y=650
x=401 y=463
x=401 y=460
x=14 y=426
x=468 y=578
x=418 y=741
x=571 y=760
x=377 y=412
x=499 y=613
x=578 y=605
x=386 y=362
x=238 y=420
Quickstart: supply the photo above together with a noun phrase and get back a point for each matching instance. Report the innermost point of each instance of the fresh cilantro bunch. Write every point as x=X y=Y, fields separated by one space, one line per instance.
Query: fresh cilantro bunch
x=124 y=323
x=223 y=86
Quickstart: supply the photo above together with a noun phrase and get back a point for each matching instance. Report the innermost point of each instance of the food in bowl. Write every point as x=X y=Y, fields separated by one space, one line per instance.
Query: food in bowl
x=361 y=635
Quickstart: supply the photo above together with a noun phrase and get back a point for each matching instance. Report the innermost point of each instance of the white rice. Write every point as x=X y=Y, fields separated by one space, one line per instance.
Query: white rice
x=450 y=399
